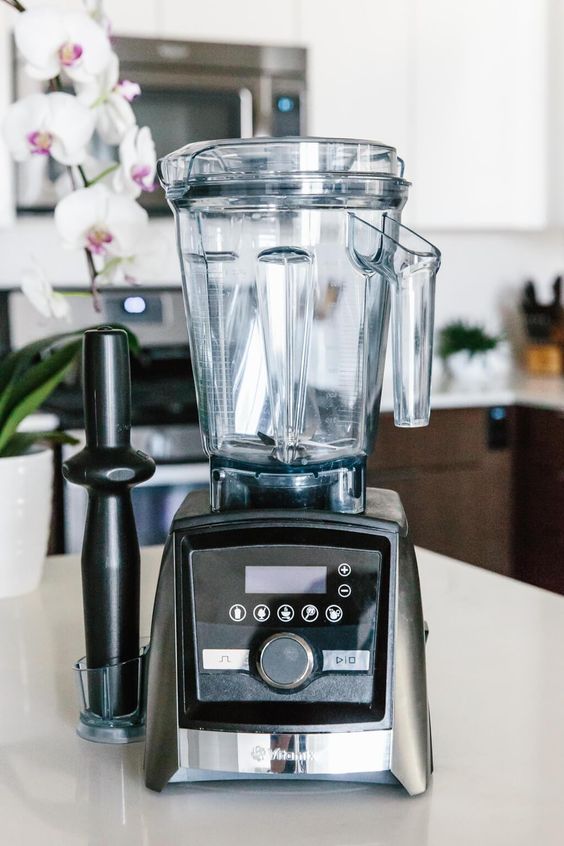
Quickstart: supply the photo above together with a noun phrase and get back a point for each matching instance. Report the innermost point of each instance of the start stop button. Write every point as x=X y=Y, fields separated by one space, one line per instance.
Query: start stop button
x=285 y=660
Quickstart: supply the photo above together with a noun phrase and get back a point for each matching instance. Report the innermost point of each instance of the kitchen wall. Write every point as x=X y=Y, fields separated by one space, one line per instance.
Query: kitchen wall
x=482 y=272
x=481 y=276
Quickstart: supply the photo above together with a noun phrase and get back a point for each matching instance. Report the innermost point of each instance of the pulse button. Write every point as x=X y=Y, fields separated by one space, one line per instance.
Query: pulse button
x=285 y=661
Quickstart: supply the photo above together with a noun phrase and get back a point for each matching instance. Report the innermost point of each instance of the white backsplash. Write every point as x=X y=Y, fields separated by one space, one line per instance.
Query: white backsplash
x=481 y=277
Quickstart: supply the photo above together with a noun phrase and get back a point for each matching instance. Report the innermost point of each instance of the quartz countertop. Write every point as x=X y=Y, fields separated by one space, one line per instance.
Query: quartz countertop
x=496 y=681
x=533 y=391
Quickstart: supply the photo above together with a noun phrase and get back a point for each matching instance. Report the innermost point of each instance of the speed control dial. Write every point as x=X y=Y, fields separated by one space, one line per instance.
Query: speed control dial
x=285 y=661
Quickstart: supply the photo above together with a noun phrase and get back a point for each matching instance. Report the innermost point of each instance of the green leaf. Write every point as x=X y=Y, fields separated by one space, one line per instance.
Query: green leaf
x=18 y=362
x=21 y=359
x=26 y=383
x=34 y=388
x=21 y=442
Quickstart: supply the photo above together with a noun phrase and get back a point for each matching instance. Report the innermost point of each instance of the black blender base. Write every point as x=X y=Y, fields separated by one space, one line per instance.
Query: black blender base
x=337 y=485
x=204 y=725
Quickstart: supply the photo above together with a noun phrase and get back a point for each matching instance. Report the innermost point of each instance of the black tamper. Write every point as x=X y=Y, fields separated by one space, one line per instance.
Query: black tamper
x=108 y=467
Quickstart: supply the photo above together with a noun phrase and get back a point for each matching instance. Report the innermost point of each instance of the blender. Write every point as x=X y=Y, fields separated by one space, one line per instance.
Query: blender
x=288 y=639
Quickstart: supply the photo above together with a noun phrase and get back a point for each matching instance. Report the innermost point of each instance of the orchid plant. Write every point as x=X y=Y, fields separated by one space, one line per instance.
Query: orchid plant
x=101 y=214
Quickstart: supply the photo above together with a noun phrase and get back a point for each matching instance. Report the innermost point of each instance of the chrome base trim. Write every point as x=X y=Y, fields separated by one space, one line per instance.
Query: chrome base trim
x=324 y=754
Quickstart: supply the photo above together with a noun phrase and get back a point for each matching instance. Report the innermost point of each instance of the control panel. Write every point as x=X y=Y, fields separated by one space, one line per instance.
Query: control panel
x=283 y=616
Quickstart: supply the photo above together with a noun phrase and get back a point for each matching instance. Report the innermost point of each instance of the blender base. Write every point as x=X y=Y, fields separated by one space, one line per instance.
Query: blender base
x=210 y=712
x=337 y=485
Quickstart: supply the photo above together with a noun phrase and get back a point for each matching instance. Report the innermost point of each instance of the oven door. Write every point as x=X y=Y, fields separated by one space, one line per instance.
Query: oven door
x=154 y=502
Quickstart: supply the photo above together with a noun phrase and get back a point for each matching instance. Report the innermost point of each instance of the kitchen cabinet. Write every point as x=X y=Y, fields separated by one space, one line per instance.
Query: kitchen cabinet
x=479 y=114
x=246 y=22
x=539 y=498
x=459 y=88
x=469 y=93
x=455 y=487
x=134 y=17
x=358 y=68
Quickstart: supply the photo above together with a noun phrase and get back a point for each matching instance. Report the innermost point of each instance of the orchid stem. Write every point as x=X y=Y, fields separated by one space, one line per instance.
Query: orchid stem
x=104 y=173
x=93 y=277
x=87 y=182
x=15 y=5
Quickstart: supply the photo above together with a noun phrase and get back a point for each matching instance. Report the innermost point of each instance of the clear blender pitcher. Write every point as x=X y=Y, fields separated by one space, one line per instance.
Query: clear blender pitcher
x=292 y=253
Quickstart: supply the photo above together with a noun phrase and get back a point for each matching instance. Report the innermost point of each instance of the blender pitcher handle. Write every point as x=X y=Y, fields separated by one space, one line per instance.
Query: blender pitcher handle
x=409 y=263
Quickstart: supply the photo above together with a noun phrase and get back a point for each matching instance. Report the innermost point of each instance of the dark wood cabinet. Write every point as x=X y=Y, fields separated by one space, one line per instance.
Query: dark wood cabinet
x=455 y=480
x=539 y=498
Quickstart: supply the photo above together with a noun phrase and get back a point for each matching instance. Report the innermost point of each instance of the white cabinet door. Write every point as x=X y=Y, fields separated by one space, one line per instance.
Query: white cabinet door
x=479 y=114
x=7 y=213
x=357 y=70
x=243 y=21
x=133 y=17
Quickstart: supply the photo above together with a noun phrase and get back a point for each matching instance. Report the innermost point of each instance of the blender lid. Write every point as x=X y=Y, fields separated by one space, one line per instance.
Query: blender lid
x=245 y=161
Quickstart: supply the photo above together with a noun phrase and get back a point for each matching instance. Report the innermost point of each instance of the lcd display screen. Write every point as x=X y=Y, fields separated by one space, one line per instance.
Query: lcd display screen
x=285 y=580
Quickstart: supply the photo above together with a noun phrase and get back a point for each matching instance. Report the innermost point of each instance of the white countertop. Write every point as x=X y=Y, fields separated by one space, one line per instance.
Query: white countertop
x=496 y=680
x=533 y=391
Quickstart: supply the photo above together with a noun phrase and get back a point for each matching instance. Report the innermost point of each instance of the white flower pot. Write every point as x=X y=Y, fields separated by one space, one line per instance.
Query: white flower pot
x=26 y=484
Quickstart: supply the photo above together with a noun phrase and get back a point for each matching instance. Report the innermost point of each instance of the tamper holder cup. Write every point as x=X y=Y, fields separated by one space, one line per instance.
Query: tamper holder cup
x=111 y=675
x=100 y=689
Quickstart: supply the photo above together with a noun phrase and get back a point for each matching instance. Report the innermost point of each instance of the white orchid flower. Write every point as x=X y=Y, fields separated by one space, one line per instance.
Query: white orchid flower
x=52 y=41
x=56 y=125
x=129 y=90
x=95 y=9
x=110 y=101
x=111 y=226
x=138 y=163
x=41 y=295
x=143 y=266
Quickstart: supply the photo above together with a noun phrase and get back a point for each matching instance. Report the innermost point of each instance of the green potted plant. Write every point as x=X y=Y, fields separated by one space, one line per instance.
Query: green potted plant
x=27 y=378
x=472 y=356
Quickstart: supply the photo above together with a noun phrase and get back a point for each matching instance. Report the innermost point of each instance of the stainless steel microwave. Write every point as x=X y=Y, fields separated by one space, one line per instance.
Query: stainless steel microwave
x=191 y=91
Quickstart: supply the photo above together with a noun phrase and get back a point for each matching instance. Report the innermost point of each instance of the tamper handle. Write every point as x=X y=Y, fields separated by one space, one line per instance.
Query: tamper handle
x=108 y=467
x=106 y=386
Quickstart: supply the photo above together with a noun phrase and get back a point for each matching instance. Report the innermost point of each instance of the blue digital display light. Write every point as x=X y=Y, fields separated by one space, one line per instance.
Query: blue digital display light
x=285 y=104
x=134 y=305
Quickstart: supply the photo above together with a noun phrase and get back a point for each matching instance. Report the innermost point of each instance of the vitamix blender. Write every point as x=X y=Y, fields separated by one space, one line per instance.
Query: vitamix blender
x=288 y=638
